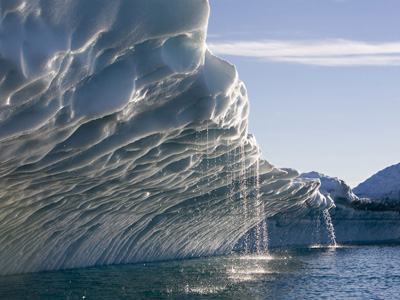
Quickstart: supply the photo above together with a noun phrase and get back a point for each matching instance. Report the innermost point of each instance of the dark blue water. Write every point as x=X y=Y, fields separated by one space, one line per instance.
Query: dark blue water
x=369 y=272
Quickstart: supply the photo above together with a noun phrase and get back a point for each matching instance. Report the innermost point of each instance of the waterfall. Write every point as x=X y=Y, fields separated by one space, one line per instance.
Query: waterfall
x=329 y=227
x=261 y=228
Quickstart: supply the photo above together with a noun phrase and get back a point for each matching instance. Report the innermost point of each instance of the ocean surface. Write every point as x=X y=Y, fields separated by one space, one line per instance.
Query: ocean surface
x=345 y=272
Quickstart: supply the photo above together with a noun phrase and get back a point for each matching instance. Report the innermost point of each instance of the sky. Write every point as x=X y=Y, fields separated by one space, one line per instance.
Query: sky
x=323 y=80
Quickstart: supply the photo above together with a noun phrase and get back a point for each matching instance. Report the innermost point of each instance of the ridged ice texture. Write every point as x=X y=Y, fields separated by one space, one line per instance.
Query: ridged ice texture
x=333 y=188
x=123 y=139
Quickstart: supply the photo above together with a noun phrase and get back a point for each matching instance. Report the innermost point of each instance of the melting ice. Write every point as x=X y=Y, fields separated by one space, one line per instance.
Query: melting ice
x=123 y=139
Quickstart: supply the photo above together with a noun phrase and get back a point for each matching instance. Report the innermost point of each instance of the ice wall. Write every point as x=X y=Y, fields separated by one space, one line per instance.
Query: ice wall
x=123 y=139
x=355 y=220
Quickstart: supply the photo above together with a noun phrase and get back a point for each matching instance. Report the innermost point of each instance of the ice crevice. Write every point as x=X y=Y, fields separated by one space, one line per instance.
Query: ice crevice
x=124 y=139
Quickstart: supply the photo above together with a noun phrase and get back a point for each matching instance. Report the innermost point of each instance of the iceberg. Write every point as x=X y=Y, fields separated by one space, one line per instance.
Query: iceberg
x=124 y=139
x=353 y=219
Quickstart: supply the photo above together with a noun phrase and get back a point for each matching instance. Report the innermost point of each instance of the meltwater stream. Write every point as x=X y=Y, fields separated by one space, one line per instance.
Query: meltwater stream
x=369 y=272
x=329 y=226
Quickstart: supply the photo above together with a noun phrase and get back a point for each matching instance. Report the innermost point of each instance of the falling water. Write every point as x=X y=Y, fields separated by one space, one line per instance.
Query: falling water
x=329 y=227
x=243 y=194
x=207 y=158
x=261 y=228
x=316 y=231
x=264 y=232
x=258 y=212
x=230 y=178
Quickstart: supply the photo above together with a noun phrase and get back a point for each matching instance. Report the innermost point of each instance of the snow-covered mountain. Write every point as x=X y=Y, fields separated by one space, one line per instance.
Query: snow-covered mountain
x=379 y=192
x=383 y=184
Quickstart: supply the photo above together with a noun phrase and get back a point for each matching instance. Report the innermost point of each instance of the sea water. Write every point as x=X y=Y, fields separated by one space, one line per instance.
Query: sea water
x=343 y=272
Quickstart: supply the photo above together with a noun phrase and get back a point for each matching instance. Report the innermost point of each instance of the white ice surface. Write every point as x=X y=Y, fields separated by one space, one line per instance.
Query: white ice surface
x=123 y=139
x=355 y=220
x=383 y=183
x=333 y=188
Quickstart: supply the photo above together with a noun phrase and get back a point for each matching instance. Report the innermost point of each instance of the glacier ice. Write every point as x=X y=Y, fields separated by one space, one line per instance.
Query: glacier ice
x=356 y=220
x=124 y=139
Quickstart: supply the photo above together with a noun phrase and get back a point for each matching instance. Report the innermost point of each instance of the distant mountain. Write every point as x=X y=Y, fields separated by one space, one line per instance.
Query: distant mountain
x=384 y=184
x=381 y=192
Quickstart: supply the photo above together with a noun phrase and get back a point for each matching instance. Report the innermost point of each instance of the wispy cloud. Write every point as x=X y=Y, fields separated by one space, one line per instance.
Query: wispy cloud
x=333 y=52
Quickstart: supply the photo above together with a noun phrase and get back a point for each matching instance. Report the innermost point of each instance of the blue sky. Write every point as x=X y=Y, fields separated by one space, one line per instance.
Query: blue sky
x=323 y=79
